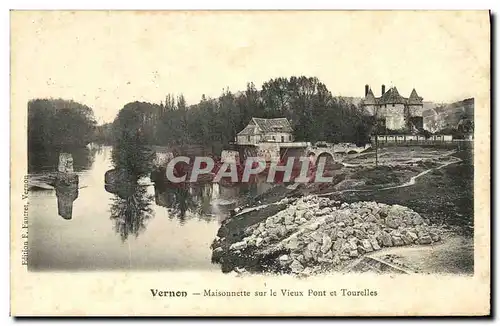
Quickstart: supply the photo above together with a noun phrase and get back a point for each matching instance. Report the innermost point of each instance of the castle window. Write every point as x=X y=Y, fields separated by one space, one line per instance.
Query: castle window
x=385 y=105
x=392 y=104
x=248 y=138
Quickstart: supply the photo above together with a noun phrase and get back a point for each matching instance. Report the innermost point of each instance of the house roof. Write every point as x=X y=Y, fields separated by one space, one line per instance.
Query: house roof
x=260 y=125
x=369 y=98
x=392 y=97
x=250 y=129
x=414 y=98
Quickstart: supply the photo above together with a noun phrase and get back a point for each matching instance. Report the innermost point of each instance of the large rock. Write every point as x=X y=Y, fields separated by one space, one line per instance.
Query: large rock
x=299 y=213
x=393 y=221
x=313 y=246
x=348 y=221
x=339 y=243
x=292 y=244
x=308 y=215
x=327 y=243
x=316 y=236
x=312 y=226
x=307 y=271
x=434 y=236
x=407 y=240
x=353 y=243
x=284 y=259
x=301 y=259
x=270 y=223
x=333 y=233
x=289 y=219
x=397 y=241
x=307 y=254
x=238 y=245
x=296 y=267
x=349 y=230
x=282 y=231
x=367 y=245
x=353 y=253
x=360 y=234
x=321 y=212
x=417 y=219
x=385 y=239
x=412 y=235
x=371 y=218
x=374 y=243
x=426 y=239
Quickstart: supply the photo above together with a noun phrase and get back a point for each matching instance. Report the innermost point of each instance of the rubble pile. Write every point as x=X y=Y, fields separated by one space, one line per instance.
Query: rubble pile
x=313 y=232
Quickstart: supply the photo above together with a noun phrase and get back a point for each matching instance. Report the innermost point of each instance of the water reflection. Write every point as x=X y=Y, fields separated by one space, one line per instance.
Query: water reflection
x=205 y=201
x=114 y=213
x=183 y=200
x=131 y=206
x=177 y=199
x=130 y=211
x=47 y=160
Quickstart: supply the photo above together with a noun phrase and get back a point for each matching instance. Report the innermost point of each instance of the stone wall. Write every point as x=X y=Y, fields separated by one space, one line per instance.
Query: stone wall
x=230 y=156
x=394 y=115
x=416 y=110
x=65 y=163
x=269 y=151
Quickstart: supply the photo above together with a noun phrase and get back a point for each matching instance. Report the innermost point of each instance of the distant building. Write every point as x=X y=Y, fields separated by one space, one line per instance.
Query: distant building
x=393 y=111
x=260 y=130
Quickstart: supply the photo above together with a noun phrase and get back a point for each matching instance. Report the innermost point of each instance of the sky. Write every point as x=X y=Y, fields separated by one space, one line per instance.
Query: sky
x=107 y=59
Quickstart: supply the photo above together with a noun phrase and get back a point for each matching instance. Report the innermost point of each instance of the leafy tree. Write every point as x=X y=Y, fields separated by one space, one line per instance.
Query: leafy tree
x=58 y=123
x=214 y=122
x=131 y=136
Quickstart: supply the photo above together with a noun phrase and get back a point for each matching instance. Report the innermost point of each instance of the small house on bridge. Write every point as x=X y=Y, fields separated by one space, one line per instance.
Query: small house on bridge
x=259 y=130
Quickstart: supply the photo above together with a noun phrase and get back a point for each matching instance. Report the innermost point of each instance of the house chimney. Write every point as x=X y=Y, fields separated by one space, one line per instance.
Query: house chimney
x=383 y=89
x=366 y=89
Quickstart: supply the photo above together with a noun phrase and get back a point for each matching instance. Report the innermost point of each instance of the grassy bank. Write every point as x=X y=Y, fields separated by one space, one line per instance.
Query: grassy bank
x=444 y=196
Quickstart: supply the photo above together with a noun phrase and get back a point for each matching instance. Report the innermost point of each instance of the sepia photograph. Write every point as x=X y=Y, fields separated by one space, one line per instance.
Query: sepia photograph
x=276 y=144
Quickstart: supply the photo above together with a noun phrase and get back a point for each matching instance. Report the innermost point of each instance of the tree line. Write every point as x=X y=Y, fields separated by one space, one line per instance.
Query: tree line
x=314 y=113
x=59 y=124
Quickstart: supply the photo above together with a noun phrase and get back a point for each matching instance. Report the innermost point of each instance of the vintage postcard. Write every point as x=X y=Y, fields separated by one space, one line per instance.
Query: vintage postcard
x=250 y=163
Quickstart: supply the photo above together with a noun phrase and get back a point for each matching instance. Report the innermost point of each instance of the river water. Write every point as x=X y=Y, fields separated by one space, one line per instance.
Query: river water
x=95 y=227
